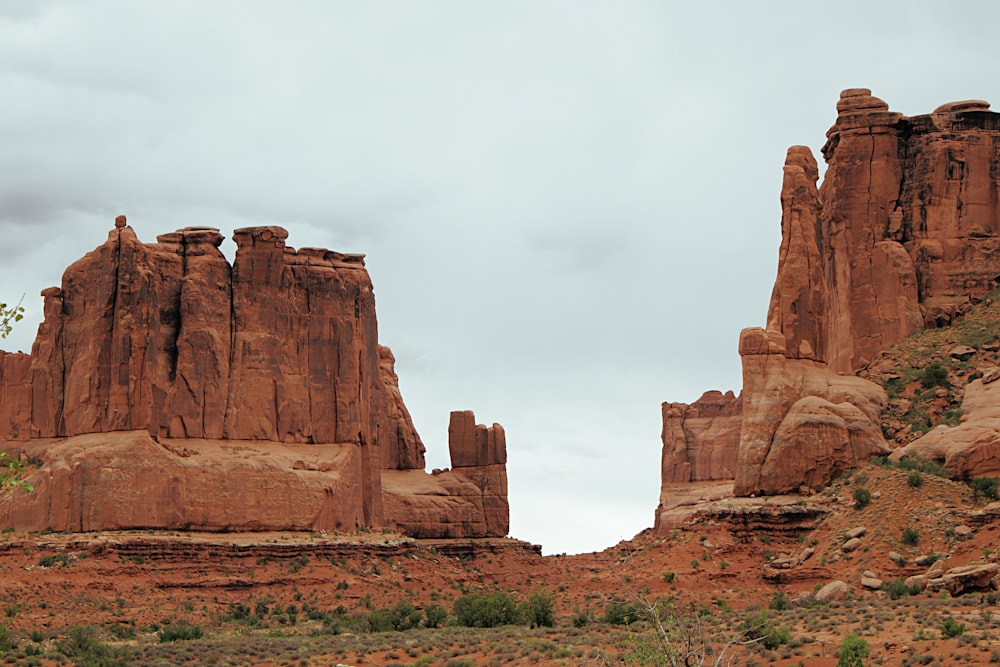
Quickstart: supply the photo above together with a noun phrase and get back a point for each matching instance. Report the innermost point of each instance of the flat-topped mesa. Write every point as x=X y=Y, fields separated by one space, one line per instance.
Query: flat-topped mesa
x=168 y=339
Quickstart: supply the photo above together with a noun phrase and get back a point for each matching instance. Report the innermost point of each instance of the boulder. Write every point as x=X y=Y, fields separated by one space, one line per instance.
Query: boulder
x=972 y=448
x=850 y=545
x=832 y=592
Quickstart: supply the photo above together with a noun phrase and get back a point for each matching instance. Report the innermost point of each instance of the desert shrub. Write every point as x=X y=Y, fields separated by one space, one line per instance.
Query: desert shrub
x=952 y=417
x=894 y=387
x=121 y=630
x=910 y=536
x=180 y=631
x=777 y=637
x=486 y=610
x=86 y=650
x=853 y=650
x=435 y=616
x=977 y=334
x=780 y=602
x=951 y=628
x=934 y=375
x=923 y=465
x=538 y=611
x=915 y=479
x=6 y=643
x=862 y=498
x=621 y=613
x=47 y=561
x=986 y=487
x=400 y=617
x=895 y=588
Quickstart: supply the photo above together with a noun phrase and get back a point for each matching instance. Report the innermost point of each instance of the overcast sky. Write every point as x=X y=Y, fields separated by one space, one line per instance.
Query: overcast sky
x=569 y=209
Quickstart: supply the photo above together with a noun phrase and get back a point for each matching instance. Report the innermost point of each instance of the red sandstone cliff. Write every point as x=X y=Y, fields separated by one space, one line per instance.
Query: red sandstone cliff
x=700 y=443
x=903 y=233
x=280 y=349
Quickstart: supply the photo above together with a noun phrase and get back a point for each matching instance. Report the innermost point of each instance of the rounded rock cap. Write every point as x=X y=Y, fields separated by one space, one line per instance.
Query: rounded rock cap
x=963 y=106
x=859 y=100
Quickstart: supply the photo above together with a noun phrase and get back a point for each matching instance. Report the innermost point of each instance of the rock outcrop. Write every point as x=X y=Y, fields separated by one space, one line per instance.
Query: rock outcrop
x=971 y=449
x=803 y=424
x=903 y=233
x=279 y=349
x=478 y=478
x=700 y=445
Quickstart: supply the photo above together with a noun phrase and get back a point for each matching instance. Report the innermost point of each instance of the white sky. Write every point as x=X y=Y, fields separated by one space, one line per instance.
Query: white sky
x=569 y=209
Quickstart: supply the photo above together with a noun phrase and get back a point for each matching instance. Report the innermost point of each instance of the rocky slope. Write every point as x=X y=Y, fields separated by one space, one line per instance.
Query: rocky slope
x=178 y=358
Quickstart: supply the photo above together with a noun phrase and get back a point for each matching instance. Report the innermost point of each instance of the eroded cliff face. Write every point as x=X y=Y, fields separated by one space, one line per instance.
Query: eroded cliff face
x=281 y=348
x=700 y=444
x=903 y=233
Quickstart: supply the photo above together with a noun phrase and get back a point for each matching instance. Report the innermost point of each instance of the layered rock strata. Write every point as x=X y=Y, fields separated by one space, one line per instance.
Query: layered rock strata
x=279 y=349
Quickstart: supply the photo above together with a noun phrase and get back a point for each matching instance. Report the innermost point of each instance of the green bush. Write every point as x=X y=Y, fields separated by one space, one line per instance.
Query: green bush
x=895 y=588
x=86 y=650
x=180 y=631
x=915 y=479
x=986 y=487
x=780 y=602
x=910 y=536
x=538 y=611
x=777 y=637
x=862 y=498
x=486 y=610
x=951 y=628
x=755 y=627
x=435 y=616
x=400 y=617
x=853 y=651
x=620 y=613
x=934 y=375
x=6 y=643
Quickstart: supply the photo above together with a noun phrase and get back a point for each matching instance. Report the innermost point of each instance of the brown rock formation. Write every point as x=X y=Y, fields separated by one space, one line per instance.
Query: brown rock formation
x=802 y=423
x=282 y=347
x=700 y=445
x=903 y=233
x=479 y=478
x=971 y=449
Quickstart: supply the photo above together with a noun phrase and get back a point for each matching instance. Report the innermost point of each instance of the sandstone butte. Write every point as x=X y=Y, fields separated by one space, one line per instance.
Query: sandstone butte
x=903 y=234
x=167 y=389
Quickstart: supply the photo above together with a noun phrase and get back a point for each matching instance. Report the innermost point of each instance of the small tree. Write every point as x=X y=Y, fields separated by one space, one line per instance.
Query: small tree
x=8 y=316
x=853 y=651
x=862 y=498
x=11 y=470
x=538 y=610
